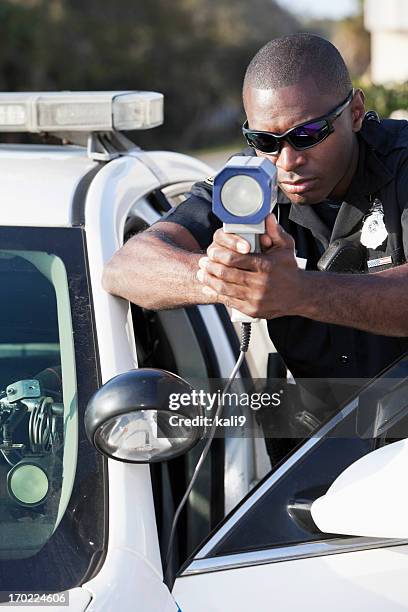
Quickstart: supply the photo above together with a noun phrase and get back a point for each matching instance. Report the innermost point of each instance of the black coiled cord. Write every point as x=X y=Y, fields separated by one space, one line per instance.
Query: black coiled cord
x=245 y=336
x=41 y=427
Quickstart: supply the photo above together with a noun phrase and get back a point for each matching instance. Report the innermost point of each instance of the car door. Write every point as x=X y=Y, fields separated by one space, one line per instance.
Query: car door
x=129 y=194
x=265 y=555
x=201 y=345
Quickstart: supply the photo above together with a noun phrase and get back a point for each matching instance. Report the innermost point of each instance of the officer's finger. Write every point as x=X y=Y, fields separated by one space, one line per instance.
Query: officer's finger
x=231 y=259
x=276 y=233
x=231 y=241
x=221 y=287
x=265 y=241
x=241 y=305
x=226 y=273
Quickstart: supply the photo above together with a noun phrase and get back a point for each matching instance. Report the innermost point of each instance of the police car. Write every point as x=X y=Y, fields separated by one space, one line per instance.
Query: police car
x=88 y=487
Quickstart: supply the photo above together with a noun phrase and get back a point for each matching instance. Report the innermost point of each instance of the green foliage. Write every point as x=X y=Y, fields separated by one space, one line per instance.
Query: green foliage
x=385 y=100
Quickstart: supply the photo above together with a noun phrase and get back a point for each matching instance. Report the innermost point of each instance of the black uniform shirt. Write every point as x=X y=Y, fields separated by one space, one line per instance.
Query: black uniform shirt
x=312 y=349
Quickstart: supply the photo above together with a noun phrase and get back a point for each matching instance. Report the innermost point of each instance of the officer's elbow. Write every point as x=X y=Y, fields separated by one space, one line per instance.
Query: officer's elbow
x=118 y=277
x=114 y=276
x=109 y=278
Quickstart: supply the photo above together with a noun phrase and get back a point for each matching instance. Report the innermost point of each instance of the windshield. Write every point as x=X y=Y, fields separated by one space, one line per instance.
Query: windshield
x=52 y=485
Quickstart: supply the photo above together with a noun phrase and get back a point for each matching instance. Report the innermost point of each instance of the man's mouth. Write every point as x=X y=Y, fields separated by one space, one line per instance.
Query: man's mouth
x=299 y=186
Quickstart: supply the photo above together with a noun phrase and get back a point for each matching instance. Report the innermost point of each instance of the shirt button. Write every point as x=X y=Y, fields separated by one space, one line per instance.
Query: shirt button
x=344 y=358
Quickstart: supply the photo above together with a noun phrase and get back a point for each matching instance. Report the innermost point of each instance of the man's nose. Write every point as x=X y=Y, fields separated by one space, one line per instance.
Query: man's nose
x=289 y=159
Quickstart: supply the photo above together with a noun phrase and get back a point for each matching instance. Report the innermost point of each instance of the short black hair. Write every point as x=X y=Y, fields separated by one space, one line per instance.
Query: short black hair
x=288 y=60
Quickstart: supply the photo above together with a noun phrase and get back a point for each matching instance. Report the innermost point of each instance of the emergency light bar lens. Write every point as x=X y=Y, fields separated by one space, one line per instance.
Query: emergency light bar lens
x=12 y=114
x=142 y=110
x=241 y=195
x=103 y=111
x=54 y=115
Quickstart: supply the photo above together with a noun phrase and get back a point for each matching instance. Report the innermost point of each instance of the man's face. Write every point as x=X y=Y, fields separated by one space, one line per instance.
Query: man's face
x=309 y=176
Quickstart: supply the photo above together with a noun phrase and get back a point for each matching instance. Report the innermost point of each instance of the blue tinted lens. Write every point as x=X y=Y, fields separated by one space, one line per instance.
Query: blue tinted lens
x=308 y=134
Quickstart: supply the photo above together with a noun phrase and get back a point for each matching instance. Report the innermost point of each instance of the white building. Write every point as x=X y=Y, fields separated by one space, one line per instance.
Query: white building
x=388 y=23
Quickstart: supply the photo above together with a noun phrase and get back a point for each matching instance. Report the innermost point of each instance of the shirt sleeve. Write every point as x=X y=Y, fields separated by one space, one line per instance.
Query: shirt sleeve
x=195 y=214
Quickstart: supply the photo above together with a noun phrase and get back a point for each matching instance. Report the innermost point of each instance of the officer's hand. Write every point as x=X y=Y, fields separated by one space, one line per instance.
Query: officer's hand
x=264 y=285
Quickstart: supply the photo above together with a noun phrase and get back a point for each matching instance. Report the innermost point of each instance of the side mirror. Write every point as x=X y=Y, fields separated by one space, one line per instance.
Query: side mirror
x=369 y=498
x=132 y=417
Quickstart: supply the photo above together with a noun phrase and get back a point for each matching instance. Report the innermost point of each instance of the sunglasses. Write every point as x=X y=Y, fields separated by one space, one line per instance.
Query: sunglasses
x=300 y=137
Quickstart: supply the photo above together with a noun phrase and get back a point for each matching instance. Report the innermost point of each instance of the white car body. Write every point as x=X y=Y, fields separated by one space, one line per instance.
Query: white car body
x=60 y=186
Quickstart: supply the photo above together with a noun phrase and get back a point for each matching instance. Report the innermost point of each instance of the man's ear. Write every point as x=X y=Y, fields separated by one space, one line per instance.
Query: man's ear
x=357 y=110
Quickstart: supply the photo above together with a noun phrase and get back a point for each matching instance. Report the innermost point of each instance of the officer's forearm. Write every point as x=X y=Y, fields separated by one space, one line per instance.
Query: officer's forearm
x=153 y=272
x=376 y=303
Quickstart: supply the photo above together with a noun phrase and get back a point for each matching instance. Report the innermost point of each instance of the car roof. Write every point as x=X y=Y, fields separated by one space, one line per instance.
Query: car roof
x=39 y=182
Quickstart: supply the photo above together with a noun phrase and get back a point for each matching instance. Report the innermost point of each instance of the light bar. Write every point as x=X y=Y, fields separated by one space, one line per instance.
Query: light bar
x=80 y=111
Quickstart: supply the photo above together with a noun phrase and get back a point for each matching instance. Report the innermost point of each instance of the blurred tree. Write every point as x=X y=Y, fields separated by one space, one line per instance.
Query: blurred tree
x=353 y=42
x=194 y=51
x=16 y=38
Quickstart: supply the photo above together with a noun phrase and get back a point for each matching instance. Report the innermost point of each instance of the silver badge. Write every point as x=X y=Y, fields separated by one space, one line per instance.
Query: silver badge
x=374 y=231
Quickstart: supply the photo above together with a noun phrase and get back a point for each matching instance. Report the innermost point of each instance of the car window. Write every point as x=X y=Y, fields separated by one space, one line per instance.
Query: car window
x=378 y=415
x=38 y=408
x=45 y=325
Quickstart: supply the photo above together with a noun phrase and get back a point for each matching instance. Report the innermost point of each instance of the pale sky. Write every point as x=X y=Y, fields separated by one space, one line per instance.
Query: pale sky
x=334 y=9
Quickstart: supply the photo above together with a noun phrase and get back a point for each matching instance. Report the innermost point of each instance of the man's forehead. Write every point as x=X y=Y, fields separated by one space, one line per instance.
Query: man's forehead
x=285 y=106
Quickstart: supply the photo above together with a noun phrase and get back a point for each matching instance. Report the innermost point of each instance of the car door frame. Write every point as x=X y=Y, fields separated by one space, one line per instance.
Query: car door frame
x=204 y=562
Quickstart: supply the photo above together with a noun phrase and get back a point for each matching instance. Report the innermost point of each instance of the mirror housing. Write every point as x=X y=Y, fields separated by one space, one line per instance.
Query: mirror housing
x=370 y=498
x=132 y=417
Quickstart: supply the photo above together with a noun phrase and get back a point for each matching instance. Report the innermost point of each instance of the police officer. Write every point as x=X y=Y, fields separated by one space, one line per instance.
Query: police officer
x=342 y=206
